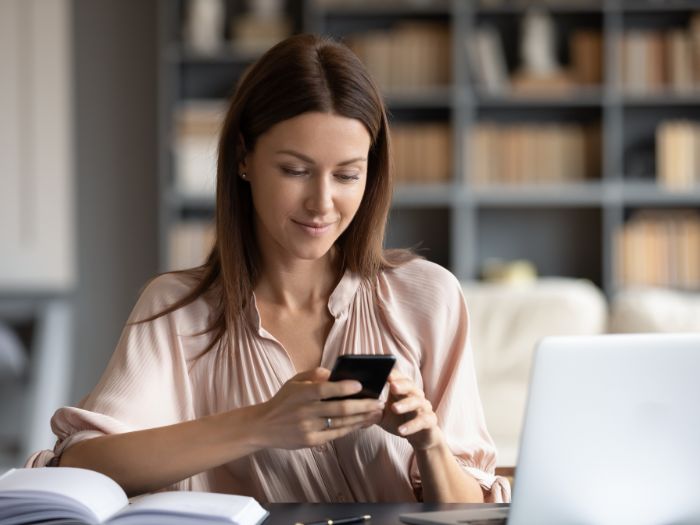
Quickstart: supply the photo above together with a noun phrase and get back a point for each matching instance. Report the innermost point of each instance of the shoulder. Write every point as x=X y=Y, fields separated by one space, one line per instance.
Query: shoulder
x=162 y=292
x=419 y=287
x=419 y=278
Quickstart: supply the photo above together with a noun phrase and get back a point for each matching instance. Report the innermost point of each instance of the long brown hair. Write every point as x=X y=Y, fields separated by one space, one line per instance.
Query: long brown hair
x=300 y=74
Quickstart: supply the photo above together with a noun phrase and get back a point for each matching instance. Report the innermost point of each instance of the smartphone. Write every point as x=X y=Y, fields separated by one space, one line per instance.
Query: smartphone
x=371 y=370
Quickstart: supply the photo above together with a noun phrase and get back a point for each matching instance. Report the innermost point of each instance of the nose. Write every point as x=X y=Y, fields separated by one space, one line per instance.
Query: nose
x=319 y=199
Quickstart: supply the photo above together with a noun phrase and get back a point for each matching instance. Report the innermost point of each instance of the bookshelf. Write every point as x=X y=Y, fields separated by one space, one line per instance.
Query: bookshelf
x=567 y=226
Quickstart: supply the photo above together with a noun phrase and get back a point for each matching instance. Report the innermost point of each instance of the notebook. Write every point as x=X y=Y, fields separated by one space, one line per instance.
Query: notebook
x=611 y=435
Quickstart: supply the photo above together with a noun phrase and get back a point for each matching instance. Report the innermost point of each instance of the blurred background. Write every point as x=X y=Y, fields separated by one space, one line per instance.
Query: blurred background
x=548 y=154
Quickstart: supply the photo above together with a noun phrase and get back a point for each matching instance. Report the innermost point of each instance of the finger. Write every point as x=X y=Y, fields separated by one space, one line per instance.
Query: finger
x=421 y=422
x=349 y=421
x=314 y=375
x=325 y=436
x=349 y=407
x=404 y=387
x=411 y=404
x=395 y=375
x=343 y=388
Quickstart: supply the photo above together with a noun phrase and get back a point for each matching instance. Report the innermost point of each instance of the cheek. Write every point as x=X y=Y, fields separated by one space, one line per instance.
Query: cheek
x=356 y=199
x=273 y=199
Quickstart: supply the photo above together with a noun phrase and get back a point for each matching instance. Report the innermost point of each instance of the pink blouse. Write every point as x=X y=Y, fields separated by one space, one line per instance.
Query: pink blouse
x=419 y=315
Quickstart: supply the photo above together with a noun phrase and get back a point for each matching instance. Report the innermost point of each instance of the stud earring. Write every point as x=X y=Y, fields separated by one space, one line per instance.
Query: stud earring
x=244 y=176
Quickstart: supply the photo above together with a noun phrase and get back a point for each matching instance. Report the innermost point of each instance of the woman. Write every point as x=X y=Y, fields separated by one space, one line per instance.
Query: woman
x=218 y=380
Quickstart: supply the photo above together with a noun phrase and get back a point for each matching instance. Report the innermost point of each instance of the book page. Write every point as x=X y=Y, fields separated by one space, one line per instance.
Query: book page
x=88 y=494
x=180 y=505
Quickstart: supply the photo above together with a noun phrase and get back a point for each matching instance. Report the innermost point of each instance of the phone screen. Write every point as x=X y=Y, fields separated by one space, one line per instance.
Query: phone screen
x=369 y=369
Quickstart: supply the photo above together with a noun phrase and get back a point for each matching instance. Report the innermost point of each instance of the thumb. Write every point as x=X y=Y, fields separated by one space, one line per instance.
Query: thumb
x=315 y=375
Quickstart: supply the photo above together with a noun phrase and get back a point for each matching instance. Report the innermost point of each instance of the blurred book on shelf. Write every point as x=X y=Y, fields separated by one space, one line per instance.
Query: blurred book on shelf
x=422 y=152
x=203 y=25
x=487 y=60
x=678 y=155
x=411 y=55
x=522 y=154
x=661 y=60
x=197 y=124
x=489 y=70
x=586 y=51
x=387 y=4
x=263 y=25
x=190 y=243
x=660 y=248
x=591 y=4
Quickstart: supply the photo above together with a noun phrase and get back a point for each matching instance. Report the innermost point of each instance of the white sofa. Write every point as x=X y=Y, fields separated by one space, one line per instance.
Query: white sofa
x=507 y=320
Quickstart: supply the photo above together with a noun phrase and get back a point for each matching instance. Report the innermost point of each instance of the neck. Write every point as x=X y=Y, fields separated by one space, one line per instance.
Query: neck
x=298 y=285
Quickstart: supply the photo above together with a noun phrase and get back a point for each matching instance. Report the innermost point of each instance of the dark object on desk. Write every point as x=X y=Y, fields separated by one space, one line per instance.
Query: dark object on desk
x=369 y=369
x=472 y=516
x=382 y=513
x=338 y=521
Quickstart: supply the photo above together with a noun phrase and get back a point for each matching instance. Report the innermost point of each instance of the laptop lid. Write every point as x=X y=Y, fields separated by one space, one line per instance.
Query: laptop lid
x=612 y=432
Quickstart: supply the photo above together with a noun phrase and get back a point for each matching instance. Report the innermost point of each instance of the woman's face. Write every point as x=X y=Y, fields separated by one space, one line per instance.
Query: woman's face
x=307 y=176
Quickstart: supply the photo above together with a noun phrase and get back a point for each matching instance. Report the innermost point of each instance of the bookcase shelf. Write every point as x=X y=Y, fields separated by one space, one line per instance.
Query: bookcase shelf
x=567 y=228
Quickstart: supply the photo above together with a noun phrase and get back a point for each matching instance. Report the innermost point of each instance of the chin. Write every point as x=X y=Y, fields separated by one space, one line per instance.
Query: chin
x=310 y=253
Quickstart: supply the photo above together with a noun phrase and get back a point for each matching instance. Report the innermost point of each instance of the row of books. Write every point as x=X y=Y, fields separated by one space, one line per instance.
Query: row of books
x=410 y=55
x=422 y=152
x=190 y=243
x=660 y=248
x=678 y=154
x=653 y=60
x=532 y=153
x=490 y=72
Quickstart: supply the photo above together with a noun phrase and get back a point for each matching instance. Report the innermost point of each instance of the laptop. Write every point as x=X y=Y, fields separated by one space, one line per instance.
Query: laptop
x=611 y=436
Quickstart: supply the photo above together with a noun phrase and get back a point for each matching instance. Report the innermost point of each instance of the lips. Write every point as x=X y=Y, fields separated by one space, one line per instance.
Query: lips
x=314 y=228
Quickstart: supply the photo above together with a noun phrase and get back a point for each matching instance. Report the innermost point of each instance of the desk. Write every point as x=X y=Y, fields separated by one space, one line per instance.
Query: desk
x=382 y=513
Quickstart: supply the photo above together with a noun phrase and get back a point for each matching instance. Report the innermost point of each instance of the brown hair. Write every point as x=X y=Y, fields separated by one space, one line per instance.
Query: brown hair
x=300 y=74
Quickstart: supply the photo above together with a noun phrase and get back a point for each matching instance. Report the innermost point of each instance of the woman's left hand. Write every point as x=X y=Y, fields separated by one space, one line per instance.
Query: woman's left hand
x=409 y=414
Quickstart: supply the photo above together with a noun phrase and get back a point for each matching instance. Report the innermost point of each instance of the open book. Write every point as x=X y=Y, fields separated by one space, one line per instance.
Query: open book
x=85 y=496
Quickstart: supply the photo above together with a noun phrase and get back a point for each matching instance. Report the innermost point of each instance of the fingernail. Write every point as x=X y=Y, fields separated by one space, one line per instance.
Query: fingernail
x=381 y=405
x=356 y=386
x=402 y=430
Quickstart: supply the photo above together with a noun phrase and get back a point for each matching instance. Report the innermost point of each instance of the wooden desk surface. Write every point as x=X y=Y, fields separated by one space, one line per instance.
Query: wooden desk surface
x=382 y=513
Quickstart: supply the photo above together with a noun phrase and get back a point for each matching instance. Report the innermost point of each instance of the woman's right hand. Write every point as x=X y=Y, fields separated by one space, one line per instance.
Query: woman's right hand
x=297 y=416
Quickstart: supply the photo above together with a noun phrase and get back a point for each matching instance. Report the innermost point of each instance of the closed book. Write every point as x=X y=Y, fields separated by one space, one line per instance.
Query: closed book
x=85 y=496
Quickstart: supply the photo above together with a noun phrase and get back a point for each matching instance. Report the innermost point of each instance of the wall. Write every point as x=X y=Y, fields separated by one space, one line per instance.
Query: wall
x=115 y=50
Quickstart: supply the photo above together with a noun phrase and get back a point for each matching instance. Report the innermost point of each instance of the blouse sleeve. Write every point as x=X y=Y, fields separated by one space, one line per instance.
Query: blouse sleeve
x=428 y=304
x=145 y=384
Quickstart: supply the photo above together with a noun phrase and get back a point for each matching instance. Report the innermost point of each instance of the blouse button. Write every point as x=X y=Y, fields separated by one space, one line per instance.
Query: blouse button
x=321 y=448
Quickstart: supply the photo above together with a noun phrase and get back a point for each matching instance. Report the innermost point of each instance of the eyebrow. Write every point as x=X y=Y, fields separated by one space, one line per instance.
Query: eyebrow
x=311 y=161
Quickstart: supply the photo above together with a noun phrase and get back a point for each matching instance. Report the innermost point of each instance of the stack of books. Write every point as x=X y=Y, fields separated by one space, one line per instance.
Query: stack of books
x=412 y=55
x=422 y=152
x=523 y=154
x=654 y=60
x=660 y=248
x=678 y=155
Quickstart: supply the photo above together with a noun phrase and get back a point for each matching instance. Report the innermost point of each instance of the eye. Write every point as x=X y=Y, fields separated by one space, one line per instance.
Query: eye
x=294 y=172
x=347 y=177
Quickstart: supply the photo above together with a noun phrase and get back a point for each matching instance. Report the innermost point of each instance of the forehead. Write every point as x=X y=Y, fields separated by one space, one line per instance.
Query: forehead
x=319 y=135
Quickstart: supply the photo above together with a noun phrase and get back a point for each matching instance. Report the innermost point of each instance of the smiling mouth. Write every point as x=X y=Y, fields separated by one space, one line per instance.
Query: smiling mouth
x=313 y=228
